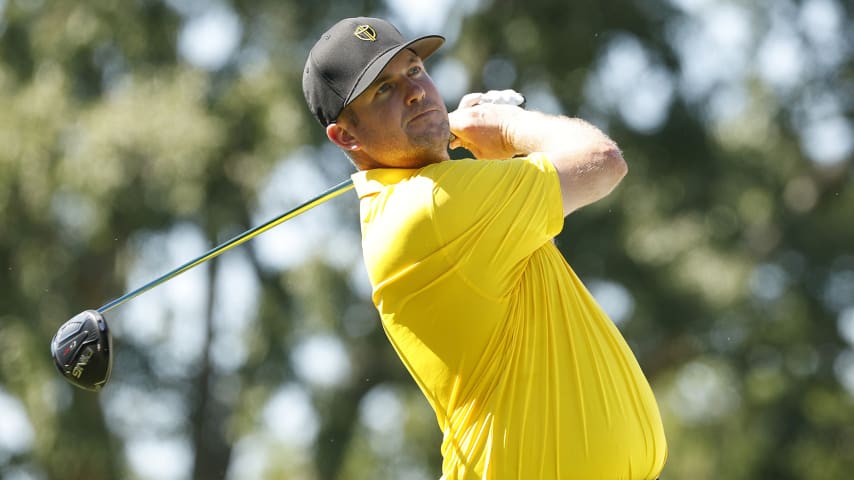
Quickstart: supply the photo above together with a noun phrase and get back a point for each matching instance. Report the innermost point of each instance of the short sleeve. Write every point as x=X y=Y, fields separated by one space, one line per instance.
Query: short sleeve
x=490 y=216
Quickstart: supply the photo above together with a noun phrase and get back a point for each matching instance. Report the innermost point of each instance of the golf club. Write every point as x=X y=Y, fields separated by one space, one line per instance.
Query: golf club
x=82 y=348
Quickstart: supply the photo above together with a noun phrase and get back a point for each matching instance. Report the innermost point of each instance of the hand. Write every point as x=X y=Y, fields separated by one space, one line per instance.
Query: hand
x=478 y=124
x=501 y=97
x=485 y=129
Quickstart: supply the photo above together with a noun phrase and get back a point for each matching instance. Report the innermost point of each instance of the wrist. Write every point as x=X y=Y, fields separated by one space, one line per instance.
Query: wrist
x=520 y=132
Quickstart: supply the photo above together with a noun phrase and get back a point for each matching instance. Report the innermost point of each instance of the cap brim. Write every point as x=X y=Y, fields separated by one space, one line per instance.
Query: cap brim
x=422 y=46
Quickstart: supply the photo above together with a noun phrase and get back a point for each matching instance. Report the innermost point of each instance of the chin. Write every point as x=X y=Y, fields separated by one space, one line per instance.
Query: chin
x=436 y=149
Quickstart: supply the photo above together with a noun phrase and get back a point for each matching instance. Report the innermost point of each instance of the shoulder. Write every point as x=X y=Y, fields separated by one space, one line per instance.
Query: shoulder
x=534 y=162
x=481 y=178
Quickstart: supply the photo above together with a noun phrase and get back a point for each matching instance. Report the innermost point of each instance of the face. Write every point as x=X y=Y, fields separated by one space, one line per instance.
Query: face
x=400 y=121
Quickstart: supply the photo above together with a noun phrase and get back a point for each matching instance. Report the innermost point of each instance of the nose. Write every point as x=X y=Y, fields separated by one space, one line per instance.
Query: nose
x=415 y=92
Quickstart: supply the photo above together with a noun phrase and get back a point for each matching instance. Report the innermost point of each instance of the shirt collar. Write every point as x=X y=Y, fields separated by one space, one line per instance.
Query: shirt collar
x=371 y=182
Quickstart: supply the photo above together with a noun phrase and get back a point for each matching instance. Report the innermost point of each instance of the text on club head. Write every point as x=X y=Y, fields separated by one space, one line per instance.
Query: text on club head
x=81 y=364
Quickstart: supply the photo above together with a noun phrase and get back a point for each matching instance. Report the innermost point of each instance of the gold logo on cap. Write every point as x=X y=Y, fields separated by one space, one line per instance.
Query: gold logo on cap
x=366 y=33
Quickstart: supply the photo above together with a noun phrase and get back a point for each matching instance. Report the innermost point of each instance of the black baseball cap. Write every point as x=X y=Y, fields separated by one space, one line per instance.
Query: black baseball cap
x=349 y=57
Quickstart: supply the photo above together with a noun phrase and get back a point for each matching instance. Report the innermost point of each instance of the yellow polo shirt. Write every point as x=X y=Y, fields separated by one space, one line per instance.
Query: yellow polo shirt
x=528 y=377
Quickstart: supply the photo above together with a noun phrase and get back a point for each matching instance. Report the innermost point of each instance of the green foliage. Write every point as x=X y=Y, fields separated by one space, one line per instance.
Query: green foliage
x=121 y=158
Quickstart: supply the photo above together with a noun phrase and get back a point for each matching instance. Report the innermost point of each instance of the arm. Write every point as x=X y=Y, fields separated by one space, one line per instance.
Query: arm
x=589 y=164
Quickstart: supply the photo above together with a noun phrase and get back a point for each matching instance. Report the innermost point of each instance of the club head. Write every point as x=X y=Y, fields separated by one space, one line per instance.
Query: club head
x=82 y=350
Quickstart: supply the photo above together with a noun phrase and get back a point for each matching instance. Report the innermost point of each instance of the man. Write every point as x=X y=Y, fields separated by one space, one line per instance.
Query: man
x=528 y=377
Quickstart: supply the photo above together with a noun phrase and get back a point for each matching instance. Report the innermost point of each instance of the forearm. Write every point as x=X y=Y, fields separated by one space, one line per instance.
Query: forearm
x=589 y=164
x=531 y=131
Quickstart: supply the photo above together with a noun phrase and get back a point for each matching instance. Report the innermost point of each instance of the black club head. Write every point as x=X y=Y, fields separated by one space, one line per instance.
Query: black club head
x=82 y=350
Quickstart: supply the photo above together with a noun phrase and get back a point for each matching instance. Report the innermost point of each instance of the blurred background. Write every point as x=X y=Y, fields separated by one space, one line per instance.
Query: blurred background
x=136 y=134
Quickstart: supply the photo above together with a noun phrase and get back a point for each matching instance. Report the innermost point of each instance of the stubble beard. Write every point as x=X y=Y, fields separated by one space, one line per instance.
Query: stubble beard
x=432 y=143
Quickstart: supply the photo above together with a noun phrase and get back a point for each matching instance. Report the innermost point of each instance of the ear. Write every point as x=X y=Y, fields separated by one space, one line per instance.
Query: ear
x=339 y=135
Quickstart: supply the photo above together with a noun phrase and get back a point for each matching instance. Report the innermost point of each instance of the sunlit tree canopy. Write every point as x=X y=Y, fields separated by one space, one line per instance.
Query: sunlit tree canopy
x=136 y=135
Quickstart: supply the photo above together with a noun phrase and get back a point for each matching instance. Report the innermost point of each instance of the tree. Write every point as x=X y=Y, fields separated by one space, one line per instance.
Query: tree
x=131 y=144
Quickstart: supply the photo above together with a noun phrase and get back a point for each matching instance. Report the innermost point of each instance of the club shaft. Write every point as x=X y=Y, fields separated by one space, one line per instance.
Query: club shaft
x=243 y=237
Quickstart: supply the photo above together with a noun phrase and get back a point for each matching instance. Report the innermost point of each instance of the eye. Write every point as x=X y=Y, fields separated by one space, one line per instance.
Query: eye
x=383 y=88
x=415 y=70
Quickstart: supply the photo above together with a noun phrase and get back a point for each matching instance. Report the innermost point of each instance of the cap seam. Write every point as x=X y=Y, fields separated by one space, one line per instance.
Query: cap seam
x=329 y=84
x=325 y=78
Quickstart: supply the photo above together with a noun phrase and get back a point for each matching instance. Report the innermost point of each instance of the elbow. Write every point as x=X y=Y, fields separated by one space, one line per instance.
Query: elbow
x=614 y=164
x=593 y=178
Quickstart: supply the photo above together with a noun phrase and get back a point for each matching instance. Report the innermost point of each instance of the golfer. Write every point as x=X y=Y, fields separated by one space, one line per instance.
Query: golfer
x=528 y=377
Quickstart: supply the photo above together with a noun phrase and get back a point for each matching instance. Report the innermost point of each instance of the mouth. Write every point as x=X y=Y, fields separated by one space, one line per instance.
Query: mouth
x=422 y=115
